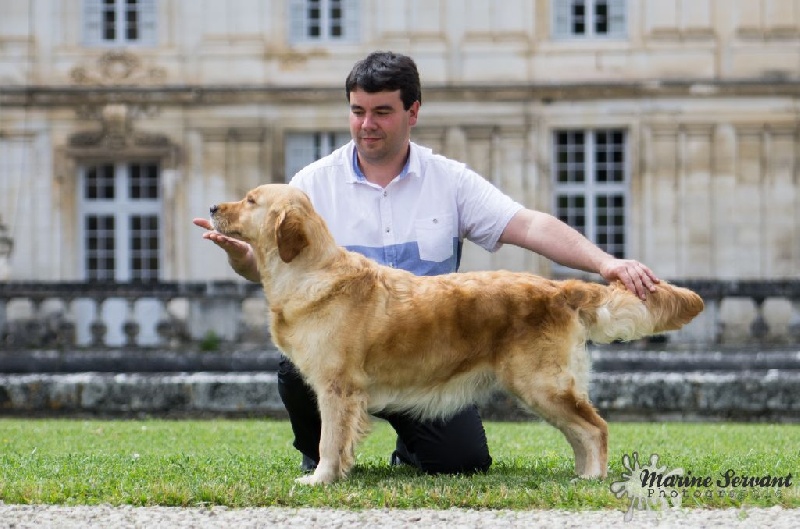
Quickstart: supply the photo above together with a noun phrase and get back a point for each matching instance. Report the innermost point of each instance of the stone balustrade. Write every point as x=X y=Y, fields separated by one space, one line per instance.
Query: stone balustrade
x=208 y=314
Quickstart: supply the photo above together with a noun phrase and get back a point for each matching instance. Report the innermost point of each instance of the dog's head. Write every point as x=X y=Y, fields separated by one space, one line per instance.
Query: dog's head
x=269 y=216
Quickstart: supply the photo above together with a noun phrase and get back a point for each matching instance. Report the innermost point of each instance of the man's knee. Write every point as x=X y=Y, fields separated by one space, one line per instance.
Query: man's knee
x=292 y=387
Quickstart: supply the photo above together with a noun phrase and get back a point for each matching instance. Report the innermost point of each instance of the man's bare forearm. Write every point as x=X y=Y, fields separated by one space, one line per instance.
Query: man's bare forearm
x=245 y=267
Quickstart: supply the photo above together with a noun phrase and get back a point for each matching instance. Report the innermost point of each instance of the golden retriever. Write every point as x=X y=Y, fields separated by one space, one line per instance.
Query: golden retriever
x=368 y=337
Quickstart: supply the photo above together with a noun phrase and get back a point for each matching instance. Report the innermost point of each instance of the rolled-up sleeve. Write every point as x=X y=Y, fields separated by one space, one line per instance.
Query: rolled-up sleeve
x=485 y=211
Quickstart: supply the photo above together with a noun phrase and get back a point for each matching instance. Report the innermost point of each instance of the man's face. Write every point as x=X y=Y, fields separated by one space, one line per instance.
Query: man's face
x=380 y=126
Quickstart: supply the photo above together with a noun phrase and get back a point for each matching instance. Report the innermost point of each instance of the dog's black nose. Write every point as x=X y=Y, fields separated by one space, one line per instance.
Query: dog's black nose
x=213 y=209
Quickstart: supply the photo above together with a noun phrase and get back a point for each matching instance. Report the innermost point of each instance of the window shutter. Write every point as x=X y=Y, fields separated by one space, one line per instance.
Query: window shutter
x=299 y=153
x=297 y=20
x=148 y=16
x=617 y=18
x=92 y=22
x=351 y=11
x=562 y=18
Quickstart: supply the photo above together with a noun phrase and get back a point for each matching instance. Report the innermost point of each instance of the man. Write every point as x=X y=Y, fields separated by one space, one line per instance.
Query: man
x=398 y=203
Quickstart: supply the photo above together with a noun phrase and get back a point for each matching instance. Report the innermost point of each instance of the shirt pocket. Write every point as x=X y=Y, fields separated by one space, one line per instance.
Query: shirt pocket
x=435 y=238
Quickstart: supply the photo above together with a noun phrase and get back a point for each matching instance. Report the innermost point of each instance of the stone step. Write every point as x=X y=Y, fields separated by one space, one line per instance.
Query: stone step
x=634 y=396
x=616 y=360
x=138 y=360
x=251 y=359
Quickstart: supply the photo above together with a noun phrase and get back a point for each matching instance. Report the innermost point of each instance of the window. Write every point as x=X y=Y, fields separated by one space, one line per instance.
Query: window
x=324 y=20
x=120 y=214
x=304 y=148
x=589 y=18
x=119 y=22
x=591 y=185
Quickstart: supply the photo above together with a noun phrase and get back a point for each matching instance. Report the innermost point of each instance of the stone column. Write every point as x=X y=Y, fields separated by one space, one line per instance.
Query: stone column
x=6 y=247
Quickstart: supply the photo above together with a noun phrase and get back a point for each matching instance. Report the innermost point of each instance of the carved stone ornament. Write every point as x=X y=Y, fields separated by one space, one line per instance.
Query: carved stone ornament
x=116 y=132
x=115 y=68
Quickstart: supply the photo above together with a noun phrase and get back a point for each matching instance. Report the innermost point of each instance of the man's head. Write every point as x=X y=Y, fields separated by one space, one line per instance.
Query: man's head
x=385 y=71
x=384 y=95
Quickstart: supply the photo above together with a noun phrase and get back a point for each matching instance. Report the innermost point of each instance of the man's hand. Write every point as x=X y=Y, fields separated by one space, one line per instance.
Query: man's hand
x=236 y=250
x=240 y=254
x=634 y=275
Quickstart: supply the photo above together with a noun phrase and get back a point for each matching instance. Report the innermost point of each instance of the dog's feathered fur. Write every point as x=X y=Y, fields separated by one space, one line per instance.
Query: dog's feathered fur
x=368 y=337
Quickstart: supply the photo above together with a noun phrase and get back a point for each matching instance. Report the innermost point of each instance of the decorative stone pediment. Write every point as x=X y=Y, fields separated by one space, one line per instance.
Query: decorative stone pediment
x=118 y=68
x=116 y=134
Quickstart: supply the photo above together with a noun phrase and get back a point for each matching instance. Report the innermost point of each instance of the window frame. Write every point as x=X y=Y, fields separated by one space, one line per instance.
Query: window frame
x=94 y=23
x=300 y=23
x=591 y=187
x=124 y=209
x=563 y=20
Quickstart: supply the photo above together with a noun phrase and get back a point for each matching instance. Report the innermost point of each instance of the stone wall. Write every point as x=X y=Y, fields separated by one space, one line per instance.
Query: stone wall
x=627 y=384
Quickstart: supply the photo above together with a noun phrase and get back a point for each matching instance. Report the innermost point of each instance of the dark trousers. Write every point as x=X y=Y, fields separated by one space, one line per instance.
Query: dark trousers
x=450 y=446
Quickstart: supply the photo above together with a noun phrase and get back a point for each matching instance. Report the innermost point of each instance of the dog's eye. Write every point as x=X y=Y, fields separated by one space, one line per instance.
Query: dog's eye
x=251 y=200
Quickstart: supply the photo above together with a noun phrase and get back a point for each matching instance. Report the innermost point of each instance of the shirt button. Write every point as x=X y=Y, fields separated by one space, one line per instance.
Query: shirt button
x=385 y=194
x=388 y=230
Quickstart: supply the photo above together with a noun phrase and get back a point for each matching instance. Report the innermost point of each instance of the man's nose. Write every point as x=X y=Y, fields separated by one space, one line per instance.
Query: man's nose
x=367 y=122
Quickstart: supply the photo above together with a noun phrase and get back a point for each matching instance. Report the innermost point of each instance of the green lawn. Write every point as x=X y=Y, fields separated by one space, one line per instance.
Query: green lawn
x=243 y=463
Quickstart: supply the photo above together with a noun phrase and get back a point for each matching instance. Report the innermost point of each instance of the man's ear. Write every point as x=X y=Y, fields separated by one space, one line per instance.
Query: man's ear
x=290 y=234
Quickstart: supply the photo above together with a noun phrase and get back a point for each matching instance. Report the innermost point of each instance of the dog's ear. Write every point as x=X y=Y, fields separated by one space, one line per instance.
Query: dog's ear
x=290 y=234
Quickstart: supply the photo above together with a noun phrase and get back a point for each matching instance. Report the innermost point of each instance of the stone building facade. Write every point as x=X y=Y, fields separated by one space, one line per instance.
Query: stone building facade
x=667 y=131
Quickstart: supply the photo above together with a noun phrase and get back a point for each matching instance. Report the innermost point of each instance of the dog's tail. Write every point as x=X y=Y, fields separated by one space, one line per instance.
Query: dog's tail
x=610 y=313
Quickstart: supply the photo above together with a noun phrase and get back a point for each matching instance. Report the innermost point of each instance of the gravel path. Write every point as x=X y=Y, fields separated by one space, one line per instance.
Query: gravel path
x=45 y=516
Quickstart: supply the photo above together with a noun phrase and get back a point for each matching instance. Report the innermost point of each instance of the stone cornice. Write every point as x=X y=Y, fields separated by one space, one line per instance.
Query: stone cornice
x=50 y=96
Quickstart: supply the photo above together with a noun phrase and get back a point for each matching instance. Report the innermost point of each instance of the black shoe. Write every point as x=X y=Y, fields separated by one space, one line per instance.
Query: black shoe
x=308 y=465
x=395 y=460
x=402 y=457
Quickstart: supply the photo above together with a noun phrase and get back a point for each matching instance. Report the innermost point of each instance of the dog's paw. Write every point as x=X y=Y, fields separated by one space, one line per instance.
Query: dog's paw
x=315 y=479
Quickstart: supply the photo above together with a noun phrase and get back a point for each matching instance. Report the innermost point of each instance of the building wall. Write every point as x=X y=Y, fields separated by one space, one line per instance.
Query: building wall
x=706 y=89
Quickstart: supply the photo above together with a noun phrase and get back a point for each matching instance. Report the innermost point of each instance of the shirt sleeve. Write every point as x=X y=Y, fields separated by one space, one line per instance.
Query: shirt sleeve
x=484 y=210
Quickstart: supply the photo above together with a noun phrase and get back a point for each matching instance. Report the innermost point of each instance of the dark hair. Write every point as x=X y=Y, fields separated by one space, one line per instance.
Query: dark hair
x=386 y=71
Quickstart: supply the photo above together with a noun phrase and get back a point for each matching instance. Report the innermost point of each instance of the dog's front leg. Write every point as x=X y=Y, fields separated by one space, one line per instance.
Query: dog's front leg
x=342 y=408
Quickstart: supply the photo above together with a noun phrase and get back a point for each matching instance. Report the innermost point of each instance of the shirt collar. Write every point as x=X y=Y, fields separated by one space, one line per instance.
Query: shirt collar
x=360 y=177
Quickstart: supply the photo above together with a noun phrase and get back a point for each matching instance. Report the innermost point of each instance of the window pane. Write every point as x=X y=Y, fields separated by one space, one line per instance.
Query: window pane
x=571 y=210
x=143 y=181
x=99 y=182
x=570 y=156
x=144 y=247
x=109 y=20
x=578 y=17
x=335 y=13
x=601 y=17
x=610 y=221
x=99 y=251
x=314 y=18
x=609 y=156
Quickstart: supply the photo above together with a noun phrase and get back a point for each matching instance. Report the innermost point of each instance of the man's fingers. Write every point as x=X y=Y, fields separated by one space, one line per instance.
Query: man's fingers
x=203 y=223
x=636 y=284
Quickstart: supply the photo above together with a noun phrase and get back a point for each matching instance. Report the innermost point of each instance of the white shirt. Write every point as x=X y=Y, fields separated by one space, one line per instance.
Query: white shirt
x=419 y=221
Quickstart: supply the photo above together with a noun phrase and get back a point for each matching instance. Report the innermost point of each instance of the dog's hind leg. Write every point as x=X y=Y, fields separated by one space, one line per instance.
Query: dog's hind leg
x=556 y=400
x=343 y=410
